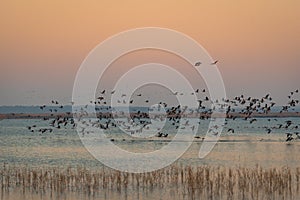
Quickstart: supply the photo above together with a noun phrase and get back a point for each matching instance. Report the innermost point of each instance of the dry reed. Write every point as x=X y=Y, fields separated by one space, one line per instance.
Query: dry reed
x=204 y=182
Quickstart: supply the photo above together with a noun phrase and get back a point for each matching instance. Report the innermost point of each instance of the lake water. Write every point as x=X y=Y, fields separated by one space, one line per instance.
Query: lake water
x=249 y=146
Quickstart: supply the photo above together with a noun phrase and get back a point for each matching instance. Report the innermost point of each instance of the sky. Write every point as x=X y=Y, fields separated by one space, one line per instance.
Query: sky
x=43 y=43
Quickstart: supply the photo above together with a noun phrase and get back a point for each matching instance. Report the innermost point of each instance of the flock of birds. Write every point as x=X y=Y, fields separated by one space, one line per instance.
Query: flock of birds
x=247 y=108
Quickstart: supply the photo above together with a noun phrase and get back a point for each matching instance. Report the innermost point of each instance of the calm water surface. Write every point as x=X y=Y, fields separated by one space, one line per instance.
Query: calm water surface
x=249 y=146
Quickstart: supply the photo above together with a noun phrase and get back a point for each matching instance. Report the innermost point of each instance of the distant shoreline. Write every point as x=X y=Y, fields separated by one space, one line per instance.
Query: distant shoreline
x=195 y=115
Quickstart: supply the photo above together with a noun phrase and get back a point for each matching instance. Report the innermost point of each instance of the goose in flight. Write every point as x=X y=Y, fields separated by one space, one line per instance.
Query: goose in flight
x=198 y=64
x=215 y=62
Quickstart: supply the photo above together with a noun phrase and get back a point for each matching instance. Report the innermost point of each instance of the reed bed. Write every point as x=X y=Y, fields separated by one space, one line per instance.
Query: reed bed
x=174 y=182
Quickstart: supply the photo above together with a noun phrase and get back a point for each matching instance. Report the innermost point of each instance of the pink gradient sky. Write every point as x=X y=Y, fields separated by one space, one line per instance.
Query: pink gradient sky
x=43 y=44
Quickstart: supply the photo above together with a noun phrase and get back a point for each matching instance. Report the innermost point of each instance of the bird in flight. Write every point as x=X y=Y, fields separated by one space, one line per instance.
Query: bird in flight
x=289 y=137
x=215 y=62
x=198 y=64
x=231 y=130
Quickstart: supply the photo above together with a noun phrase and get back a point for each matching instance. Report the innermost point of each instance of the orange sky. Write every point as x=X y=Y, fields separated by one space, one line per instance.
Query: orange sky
x=43 y=43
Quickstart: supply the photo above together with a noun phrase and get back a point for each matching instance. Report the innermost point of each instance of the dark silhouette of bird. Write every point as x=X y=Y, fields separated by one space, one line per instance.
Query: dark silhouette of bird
x=159 y=134
x=230 y=130
x=289 y=137
x=198 y=64
x=269 y=130
x=215 y=62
